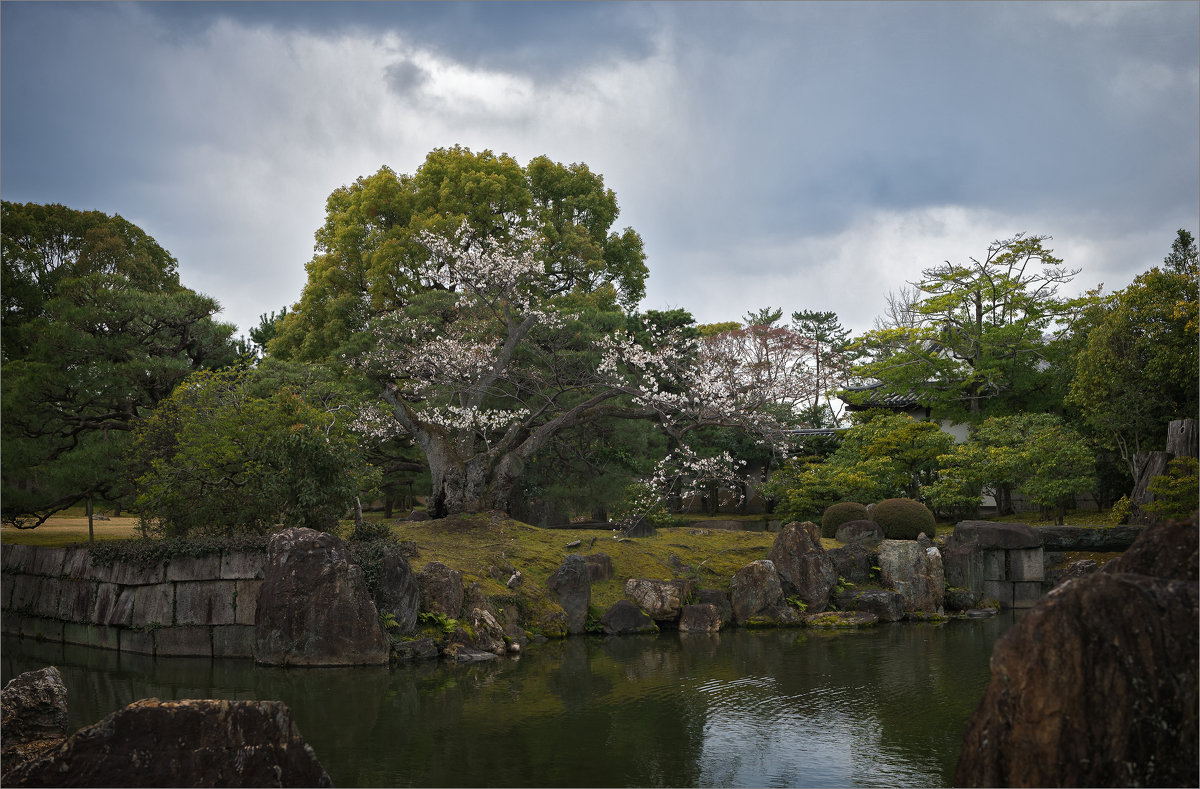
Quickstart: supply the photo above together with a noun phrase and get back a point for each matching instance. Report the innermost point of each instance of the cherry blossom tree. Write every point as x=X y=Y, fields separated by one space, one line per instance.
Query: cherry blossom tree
x=492 y=360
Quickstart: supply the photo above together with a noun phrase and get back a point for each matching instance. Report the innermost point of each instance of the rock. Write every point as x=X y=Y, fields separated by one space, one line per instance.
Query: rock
x=418 y=515
x=34 y=716
x=1095 y=686
x=885 y=604
x=574 y=543
x=914 y=572
x=1088 y=538
x=441 y=590
x=1008 y=536
x=515 y=580
x=313 y=606
x=489 y=634
x=1165 y=550
x=572 y=585
x=756 y=595
x=625 y=618
x=418 y=649
x=865 y=532
x=979 y=613
x=461 y=653
x=398 y=593
x=959 y=599
x=199 y=742
x=600 y=566
x=33 y=706
x=804 y=569
x=662 y=600
x=838 y=619
x=717 y=598
x=702 y=618
x=1059 y=575
x=853 y=562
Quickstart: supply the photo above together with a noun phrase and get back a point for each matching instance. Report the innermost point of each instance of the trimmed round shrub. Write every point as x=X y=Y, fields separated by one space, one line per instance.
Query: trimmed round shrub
x=841 y=513
x=903 y=519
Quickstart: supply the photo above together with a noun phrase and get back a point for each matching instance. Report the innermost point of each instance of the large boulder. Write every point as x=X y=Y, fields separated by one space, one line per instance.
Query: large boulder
x=441 y=590
x=313 y=607
x=700 y=618
x=201 y=742
x=398 y=594
x=804 y=569
x=885 y=604
x=866 y=532
x=625 y=618
x=662 y=600
x=915 y=572
x=34 y=715
x=756 y=596
x=571 y=583
x=1097 y=684
x=718 y=599
x=853 y=562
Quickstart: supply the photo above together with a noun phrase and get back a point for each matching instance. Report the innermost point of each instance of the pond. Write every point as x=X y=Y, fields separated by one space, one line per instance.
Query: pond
x=885 y=706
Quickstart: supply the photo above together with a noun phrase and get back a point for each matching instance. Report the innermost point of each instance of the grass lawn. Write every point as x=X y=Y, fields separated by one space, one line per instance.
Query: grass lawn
x=70 y=527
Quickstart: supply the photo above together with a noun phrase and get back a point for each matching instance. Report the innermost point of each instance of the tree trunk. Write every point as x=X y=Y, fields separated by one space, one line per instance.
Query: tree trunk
x=91 y=530
x=1182 y=438
x=1147 y=466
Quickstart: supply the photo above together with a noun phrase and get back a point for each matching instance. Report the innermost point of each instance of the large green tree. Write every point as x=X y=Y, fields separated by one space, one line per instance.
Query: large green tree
x=1137 y=366
x=974 y=341
x=96 y=330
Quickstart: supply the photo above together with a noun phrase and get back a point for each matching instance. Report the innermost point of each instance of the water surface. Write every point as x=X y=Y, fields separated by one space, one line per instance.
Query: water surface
x=884 y=706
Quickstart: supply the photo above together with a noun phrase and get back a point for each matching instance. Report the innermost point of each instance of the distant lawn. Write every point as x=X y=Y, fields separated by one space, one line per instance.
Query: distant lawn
x=69 y=528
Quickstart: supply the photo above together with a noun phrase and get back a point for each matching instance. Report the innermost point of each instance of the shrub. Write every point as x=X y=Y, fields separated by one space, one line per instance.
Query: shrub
x=838 y=514
x=903 y=519
x=1175 y=491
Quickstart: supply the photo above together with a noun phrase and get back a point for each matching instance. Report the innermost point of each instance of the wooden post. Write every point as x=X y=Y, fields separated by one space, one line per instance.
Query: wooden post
x=1182 y=438
x=91 y=530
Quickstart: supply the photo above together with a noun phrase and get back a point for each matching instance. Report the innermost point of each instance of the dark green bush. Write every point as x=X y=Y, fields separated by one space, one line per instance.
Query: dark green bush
x=903 y=519
x=841 y=513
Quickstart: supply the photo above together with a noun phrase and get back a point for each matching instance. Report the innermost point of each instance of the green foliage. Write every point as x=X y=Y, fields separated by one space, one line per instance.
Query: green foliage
x=797 y=603
x=145 y=552
x=840 y=513
x=1121 y=510
x=1036 y=454
x=1175 y=492
x=974 y=337
x=215 y=458
x=1139 y=361
x=904 y=519
x=642 y=503
x=438 y=621
x=96 y=330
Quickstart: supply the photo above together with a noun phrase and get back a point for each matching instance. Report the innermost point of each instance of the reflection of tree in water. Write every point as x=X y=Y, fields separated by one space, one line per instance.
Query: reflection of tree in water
x=884 y=705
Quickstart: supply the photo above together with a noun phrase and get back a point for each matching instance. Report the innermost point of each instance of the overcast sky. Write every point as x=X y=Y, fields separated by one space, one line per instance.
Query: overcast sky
x=800 y=155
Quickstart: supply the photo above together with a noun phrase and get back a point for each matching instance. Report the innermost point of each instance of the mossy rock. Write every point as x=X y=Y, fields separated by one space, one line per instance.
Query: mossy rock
x=842 y=512
x=904 y=519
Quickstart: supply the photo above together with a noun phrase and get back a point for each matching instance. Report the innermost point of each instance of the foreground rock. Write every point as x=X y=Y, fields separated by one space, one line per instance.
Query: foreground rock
x=572 y=585
x=625 y=618
x=34 y=715
x=181 y=743
x=1097 y=685
x=915 y=572
x=805 y=571
x=313 y=607
x=756 y=597
x=662 y=600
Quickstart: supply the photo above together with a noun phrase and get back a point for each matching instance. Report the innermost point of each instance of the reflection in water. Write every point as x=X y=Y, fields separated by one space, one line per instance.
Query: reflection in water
x=884 y=706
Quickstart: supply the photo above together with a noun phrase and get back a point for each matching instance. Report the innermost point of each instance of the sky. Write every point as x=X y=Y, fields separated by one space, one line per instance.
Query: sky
x=801 y=155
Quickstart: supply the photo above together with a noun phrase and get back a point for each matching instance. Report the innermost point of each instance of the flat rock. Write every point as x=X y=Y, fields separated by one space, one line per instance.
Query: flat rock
x=841 y=619
x=987 y=534
x=1088 y=538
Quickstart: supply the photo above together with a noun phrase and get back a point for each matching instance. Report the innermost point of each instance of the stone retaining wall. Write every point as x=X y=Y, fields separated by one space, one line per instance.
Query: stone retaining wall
x=189 y=606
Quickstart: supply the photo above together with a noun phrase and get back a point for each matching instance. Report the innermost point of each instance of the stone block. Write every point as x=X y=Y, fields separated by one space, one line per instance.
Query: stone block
x=236 y=565
x=41 y=628
x=140 y=642
x=247 y=601
x=107 y=611
x=77 y=563
x=11 y=624
x=76 y=633
x=999 y=590
x=233 y=641
x=1006 y=536
x=1025 y=564
x=104 y=637
x=995 y=565
x=1026 y=593
x=48 y=561
x=25 y=592
x=46 y=603
x=18 y=558
x=76 y=600
x=188 y=641
x=153 y=605
x=133 y=574
x=194 y=568
x=204 y=602
x=6 y=555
